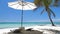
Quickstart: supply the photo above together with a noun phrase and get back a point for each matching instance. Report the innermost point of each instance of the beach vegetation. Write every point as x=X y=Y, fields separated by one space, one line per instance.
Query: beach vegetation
x=46 y=4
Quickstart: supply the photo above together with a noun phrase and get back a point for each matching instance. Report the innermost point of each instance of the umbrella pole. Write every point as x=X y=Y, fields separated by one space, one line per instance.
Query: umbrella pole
x=22 y=16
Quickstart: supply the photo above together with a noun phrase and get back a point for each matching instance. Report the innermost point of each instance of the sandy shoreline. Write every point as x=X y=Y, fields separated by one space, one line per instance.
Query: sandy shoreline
x=44 y=29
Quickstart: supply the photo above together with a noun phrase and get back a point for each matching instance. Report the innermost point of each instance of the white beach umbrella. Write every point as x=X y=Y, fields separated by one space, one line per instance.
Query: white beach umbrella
x=22 y=5
x=19 y=4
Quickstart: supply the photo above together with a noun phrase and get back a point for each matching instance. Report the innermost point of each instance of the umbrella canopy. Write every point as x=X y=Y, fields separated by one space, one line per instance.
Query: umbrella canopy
x=22 y=5
x=19 y=4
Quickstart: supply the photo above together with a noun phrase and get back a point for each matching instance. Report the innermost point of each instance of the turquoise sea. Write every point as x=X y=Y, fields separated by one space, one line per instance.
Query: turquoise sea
x=25 y=24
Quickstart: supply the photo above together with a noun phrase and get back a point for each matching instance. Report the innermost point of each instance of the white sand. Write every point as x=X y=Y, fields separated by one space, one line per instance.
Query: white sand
x=44 y=29
x=2 y=31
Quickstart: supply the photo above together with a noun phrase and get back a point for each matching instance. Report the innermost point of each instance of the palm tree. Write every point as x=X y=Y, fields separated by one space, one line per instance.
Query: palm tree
x=46 y=4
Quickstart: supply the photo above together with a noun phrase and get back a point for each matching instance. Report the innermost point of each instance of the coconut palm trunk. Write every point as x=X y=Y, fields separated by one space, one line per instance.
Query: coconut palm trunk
x=49 y=12
x=51 y=21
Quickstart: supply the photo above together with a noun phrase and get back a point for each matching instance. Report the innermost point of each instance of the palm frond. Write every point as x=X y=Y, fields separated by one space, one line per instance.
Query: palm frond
x=42 y=11
x=49 y=2
x=38 y=3
x=56 y=3
x=52 y=12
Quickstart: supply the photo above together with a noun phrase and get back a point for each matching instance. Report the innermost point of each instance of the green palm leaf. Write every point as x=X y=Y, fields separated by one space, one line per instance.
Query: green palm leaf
x=37 y=2
x=42 y=11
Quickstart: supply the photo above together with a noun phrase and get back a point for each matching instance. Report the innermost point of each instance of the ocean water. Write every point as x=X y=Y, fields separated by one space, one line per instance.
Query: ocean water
x=25 y=24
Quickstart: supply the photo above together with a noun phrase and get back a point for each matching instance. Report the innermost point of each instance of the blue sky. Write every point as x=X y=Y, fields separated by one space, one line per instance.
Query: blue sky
x=8 y=14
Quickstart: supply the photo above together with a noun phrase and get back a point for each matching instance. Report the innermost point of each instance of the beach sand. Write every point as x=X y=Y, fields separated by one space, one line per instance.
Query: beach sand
x=44 y=29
